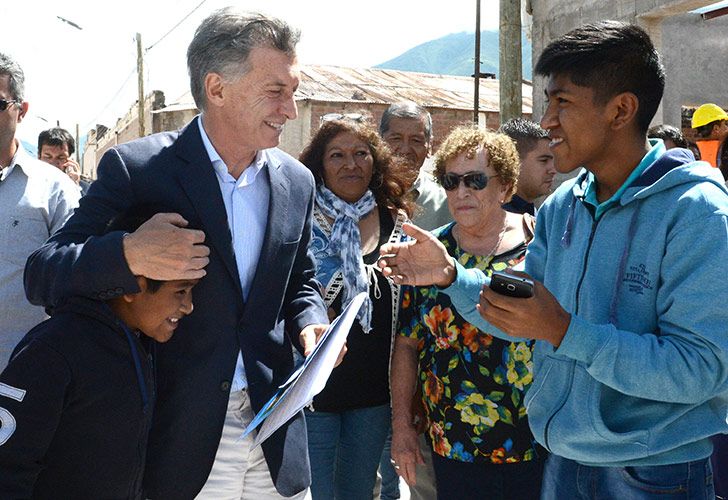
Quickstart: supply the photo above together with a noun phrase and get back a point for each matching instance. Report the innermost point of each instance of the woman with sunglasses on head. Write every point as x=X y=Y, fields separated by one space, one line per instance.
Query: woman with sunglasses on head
x=473 y=384
x=361 y=203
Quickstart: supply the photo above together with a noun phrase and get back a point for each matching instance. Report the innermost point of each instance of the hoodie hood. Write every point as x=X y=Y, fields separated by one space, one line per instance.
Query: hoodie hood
x=675 y=167
x=101 y=311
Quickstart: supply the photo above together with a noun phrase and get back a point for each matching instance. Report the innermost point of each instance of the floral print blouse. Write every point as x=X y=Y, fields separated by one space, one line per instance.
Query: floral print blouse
x=473 y=384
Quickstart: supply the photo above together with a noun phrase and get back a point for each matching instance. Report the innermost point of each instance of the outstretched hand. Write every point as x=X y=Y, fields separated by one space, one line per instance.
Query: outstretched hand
x=421 y=261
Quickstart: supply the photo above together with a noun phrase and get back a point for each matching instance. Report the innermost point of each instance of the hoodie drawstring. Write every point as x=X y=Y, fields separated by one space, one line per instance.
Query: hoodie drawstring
x=622 y=266
x=137 y=366
x=566 y=237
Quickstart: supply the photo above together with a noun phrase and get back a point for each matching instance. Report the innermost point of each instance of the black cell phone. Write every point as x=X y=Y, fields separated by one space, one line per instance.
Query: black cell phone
x=510 y=285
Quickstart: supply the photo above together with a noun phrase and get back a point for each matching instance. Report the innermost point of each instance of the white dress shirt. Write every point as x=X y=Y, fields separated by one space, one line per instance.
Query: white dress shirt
x=246 y=204
x=36 y=199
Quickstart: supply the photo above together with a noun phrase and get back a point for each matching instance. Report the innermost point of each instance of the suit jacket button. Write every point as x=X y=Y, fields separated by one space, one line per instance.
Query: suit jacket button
x=225 y=386
x=119 y=291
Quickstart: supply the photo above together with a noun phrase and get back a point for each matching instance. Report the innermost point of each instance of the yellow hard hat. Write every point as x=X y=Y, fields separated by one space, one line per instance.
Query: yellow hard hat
x=708 y=113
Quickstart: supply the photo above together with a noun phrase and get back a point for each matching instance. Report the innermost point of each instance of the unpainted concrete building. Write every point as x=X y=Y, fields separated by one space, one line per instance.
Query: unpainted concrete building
x=694 y=50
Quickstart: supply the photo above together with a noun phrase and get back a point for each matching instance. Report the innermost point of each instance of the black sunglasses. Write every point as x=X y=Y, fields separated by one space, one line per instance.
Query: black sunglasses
x=5 y=104
x=474 y=180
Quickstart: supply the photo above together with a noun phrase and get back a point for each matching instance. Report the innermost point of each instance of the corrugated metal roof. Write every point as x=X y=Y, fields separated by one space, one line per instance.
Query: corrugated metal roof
x=385 y=86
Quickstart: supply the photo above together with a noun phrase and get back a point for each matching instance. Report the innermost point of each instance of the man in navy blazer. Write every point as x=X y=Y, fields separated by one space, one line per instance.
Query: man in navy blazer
x=252 y=206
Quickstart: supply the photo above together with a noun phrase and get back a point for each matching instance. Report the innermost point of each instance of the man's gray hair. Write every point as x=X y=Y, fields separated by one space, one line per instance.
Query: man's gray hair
x=17 y=78
x=408 y=110
x=222 y=44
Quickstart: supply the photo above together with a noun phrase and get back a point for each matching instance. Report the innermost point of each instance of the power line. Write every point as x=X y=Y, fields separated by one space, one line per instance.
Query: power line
x=175 y=26
x=93 y=120
x=133 y=71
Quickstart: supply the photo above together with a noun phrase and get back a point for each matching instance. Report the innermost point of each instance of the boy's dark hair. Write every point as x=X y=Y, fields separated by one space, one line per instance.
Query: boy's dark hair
x=57 y=137
x=130 y=221
x=525 y=133
x=609 y=57
x=668 y=132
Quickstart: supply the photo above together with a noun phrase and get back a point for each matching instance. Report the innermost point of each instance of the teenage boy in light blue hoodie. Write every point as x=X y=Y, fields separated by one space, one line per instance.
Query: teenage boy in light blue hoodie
x=630 y=260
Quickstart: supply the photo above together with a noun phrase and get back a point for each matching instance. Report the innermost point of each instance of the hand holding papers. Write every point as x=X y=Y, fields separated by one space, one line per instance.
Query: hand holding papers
x=308 y=380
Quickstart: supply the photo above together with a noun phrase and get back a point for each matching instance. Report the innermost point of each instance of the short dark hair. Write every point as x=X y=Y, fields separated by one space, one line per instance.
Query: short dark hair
x=410 y=111
x=224 y=40
x=129 y=221
x=525 y=133
x=609 y=57
x=390 y=176
x=668 y=132
x=57 y=137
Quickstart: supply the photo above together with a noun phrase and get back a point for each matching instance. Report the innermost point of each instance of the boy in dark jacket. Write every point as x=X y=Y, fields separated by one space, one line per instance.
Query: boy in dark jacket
x=76 y=399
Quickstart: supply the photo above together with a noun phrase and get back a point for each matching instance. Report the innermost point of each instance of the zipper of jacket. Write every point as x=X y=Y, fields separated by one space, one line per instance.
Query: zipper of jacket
x=576 y=310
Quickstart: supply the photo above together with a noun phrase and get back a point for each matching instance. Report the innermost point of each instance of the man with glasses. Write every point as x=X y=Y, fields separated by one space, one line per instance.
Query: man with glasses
x=35 y=201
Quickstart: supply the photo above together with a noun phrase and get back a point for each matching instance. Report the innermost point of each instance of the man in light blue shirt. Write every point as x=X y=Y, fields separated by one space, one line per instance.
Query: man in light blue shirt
x=35 y=201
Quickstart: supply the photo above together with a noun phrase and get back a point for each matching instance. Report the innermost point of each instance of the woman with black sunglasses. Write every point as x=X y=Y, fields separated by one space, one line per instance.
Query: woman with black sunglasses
x=361 y=203
x=473 y=384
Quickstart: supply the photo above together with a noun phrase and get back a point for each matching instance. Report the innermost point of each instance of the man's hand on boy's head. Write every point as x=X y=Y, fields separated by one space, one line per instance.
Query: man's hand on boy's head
x=538 y=317
x=164 y=250
x=310 y=336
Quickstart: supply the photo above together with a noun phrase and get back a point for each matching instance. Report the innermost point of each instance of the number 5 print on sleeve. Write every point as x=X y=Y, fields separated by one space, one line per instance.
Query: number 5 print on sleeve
x=7 y=421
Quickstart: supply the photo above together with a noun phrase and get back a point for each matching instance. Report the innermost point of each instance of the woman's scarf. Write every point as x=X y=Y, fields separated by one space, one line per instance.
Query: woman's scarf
x=345 y=242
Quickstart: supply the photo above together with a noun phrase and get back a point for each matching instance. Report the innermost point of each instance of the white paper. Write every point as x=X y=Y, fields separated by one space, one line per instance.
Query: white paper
x=309 y=379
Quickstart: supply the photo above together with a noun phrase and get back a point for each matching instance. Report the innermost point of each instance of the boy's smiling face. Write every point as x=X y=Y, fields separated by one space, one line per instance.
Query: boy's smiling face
x=157 y=314
x=579 y=127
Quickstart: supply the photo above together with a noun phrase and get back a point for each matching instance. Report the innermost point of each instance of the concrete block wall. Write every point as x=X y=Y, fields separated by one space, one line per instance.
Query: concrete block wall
x=298 y=132
x=694 y=51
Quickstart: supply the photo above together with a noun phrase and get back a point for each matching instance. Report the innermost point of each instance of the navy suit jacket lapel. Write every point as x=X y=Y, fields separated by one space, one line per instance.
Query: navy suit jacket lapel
x=197 y=178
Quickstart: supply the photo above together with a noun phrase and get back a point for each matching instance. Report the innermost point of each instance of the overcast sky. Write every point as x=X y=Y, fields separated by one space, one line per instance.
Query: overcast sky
x=88 y=76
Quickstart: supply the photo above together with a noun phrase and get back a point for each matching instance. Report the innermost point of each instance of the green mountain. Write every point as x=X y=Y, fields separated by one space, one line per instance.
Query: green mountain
x=453 y=55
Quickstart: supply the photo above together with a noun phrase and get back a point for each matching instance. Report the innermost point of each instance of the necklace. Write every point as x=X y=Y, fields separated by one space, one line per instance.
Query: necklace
x=497 y=243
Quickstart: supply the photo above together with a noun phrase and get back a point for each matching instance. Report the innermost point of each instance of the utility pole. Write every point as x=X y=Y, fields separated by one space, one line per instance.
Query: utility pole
x=476 y=72
x=78 y=146
x=511 y=73
x=140 y=79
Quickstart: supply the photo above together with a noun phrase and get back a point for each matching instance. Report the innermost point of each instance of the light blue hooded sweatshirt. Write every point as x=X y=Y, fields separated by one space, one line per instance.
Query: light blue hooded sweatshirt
x=641 y=376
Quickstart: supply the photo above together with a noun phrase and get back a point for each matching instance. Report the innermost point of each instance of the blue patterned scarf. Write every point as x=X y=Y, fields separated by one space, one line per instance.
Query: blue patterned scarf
x=345 y=242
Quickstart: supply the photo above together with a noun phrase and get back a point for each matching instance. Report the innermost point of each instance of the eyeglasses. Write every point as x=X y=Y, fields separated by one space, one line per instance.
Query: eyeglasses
x=5 y=104
x=474 y=180
x=330 y=117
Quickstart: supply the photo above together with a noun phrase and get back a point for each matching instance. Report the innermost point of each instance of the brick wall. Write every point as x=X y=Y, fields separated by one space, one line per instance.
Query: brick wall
x=443 y=119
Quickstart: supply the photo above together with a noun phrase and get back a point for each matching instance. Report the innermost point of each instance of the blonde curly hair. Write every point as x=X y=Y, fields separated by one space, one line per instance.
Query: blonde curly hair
x=500 y=151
